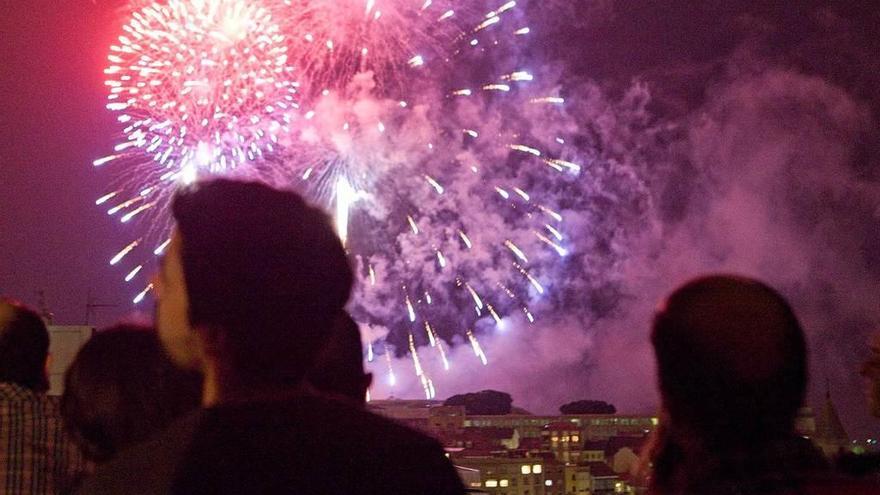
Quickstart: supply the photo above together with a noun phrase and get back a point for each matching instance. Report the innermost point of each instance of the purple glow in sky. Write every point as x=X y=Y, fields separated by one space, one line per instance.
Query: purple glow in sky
x=752 y=129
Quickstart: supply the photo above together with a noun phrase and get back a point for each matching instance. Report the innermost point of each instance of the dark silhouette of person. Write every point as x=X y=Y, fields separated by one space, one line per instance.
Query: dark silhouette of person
x=248 y=293
x=732 y=366
x=339 y=369
x=36 y=456
x=121 y=389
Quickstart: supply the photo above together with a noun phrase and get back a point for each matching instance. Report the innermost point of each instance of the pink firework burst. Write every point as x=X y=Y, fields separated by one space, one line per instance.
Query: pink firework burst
x=201 y=86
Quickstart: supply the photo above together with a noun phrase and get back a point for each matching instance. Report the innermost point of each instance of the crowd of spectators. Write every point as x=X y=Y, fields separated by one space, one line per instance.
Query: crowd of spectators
x=253 y=381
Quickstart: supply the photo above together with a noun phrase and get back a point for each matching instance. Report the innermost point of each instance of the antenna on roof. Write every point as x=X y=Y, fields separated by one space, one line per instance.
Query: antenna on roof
x=92 y=305
x=47 y=315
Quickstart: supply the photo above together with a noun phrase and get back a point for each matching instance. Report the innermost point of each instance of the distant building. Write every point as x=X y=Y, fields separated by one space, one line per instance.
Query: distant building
x=480 y=439
x=413 y=413
x=594 y=451
x=805 y=422
x=64 y=343
x=554 y=478
x=605 y=426
x=564 y=439
x=528 y=425
x=531 y=444
x=603 y=480
x=448 y=419
x=525 y=454
x=507 y=475
x=577 y=479
x=830 y=435
x=470 y=477
x=623 y=454
x=592 y=426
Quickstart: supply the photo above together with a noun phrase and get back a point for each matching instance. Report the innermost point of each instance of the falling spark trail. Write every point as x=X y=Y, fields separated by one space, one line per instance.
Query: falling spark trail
x=478 y=350
x=107 y=197
x=161 y=247
x=430 y=333
x=133 y=273
x=345 y=197
x=392 y=380
x=410 y=310
x=442 y=351
x=121 y=254
x=140 y=297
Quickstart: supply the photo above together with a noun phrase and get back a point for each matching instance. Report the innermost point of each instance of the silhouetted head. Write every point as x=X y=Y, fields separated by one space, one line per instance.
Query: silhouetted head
x=24 y=347
x=253 y=277
x=121 y=389
x=731 y=360
x=339 y=369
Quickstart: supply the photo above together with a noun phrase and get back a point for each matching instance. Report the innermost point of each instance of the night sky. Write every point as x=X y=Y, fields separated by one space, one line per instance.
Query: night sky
x=715 y=73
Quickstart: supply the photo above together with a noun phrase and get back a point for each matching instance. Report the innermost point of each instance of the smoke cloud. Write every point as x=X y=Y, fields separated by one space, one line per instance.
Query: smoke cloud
x=758 y=160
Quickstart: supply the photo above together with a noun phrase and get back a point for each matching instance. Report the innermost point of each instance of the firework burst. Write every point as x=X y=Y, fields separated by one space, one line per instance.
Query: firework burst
x=201 y=87
x=438 y=149
x=420 y=126
x=332 y=41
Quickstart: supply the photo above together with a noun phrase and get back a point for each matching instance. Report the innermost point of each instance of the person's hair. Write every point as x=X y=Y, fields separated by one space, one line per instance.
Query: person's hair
x=122 y=388
x=339 y=368
x=265 y=274
x=24 y=347
x=732 y=368
x=730 y=348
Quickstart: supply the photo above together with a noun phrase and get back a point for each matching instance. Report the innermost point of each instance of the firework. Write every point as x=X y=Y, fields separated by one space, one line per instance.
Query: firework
x=418 y=125
x=333 y=40
x=438 y=149
x=200 y=87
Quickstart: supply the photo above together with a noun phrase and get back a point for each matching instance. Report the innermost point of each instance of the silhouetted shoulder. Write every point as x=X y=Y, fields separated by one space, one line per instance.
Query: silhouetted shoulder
x=310 y=445
x=305 y=445
x=147 y=468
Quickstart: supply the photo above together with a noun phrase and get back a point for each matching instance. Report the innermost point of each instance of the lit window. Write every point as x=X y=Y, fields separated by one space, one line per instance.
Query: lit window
x=504 y=483
x=565 y=438
x=548 y=483
x=575 y=438
x=537 y=469
x=555 y=439
x=491 y=483
x=526 y=469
